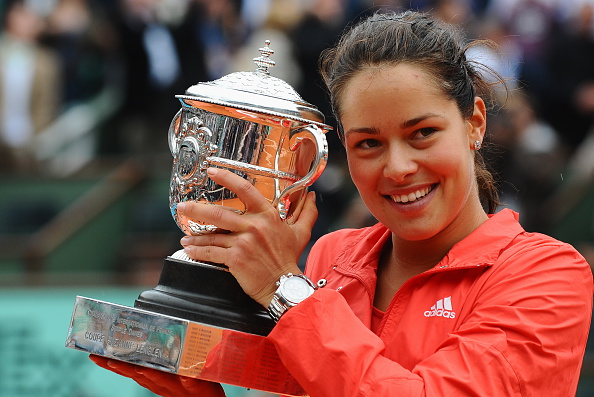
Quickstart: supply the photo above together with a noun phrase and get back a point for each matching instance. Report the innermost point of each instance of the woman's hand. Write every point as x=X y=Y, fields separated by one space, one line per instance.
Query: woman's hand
x=159 y=382
x=260 y=246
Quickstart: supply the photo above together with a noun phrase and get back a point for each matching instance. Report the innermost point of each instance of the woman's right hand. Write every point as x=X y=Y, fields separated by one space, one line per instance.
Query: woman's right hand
x=161 y=383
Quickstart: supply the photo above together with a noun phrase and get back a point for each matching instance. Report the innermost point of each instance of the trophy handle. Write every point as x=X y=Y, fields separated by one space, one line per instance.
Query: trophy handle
x=282 y=202
x=173 y=132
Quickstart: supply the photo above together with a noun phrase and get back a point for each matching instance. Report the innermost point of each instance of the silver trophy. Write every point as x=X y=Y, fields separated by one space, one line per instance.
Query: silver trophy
x=197 y=321
x=251 y=123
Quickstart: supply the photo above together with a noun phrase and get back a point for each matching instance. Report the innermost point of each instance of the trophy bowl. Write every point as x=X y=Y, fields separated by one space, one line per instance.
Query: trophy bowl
x=279 y=153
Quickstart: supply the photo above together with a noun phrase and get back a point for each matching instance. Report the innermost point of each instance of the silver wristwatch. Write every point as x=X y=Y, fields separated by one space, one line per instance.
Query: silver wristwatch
x=292 y=289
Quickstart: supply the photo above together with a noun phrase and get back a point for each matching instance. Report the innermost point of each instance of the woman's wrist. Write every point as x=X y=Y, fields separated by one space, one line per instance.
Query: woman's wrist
x=292 y=290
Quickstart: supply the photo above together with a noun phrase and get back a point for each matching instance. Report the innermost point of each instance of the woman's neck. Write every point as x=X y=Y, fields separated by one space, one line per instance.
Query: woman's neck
x=404 y=259
x=424 y=254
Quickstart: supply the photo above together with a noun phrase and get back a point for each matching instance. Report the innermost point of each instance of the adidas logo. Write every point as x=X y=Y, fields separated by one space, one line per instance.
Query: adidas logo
x=442 y=308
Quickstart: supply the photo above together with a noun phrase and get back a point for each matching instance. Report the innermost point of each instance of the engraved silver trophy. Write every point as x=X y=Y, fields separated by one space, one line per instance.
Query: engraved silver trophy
x=197 y=321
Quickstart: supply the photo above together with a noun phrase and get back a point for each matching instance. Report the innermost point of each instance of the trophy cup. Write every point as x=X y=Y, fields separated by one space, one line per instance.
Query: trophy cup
x=197 y=321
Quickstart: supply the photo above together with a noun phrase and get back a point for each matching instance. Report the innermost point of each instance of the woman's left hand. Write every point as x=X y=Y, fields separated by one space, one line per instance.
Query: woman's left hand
x=161 y=383
x=260 y=246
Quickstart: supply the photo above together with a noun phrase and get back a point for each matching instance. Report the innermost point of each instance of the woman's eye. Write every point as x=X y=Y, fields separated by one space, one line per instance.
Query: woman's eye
x=368 y=143
x=425 y=132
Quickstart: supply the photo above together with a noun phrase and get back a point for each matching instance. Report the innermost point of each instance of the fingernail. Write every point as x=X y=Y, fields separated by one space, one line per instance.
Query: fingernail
x=212 y=171
x=185 y=241
x=181 y=206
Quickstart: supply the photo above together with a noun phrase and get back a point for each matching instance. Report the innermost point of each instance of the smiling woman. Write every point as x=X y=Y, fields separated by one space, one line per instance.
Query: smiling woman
x=443 y=296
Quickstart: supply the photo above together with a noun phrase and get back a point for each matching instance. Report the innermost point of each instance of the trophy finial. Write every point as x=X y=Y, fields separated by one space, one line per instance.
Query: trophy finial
x=263 y=61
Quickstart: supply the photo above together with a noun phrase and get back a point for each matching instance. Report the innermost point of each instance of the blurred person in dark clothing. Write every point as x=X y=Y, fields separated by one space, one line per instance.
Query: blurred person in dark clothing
x=81 y=35
x=30 y=82
x=151 y=75
x=319 y=28
x=216 y=26
x=531 y=24
x=162 y=58
x=569 y=99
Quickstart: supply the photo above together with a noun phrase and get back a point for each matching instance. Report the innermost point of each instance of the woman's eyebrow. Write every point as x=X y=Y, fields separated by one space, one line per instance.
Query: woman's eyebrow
x=362 y=130
x=417 y=120
x=404 y=125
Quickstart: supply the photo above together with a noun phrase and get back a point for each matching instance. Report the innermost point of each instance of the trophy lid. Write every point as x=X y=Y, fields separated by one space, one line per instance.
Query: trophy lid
x=257 y=91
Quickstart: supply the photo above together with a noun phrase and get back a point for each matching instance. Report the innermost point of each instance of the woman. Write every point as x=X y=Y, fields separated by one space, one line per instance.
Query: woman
x=440 y=298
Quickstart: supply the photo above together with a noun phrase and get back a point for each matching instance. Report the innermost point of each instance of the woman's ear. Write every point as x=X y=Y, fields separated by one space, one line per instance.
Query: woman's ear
x=477 y=122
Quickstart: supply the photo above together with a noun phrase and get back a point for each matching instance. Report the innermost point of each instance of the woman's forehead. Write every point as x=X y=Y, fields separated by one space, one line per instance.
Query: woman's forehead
x=389 y=80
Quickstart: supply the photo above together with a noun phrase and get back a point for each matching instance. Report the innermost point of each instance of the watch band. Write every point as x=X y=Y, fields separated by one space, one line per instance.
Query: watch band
x=280 y=303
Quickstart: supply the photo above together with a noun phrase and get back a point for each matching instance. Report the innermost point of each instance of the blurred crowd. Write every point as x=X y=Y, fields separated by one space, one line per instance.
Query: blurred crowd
x=58 y=54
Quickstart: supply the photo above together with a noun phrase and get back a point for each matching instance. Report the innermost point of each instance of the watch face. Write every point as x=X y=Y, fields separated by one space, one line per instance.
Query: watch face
x=296 y=289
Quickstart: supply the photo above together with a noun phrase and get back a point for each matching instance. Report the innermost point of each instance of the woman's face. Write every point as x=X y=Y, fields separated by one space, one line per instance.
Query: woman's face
x=410 y=151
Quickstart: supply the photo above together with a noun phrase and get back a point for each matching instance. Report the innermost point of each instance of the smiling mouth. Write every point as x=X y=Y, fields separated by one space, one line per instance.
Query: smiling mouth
x=412 y=197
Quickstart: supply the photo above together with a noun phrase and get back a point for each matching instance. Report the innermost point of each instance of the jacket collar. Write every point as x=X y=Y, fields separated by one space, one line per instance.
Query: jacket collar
x=480 y=248
x=484 y=245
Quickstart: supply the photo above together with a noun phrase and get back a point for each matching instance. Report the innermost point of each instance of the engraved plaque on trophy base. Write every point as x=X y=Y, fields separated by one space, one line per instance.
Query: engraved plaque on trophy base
x=179 y=346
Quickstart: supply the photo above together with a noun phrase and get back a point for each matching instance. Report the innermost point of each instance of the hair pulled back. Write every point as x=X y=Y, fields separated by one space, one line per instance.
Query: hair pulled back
x=418 y=39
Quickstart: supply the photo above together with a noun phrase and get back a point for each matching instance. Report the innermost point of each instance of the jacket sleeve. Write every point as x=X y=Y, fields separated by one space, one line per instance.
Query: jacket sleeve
x=339 y=355
x=525 y=336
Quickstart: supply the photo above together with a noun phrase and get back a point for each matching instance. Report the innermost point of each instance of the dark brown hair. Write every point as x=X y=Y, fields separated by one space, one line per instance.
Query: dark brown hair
x=414 y=38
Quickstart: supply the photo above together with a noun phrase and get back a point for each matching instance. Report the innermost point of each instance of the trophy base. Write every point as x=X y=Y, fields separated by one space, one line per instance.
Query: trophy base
x=206 y=294
x=196 y=322
x=179 y=346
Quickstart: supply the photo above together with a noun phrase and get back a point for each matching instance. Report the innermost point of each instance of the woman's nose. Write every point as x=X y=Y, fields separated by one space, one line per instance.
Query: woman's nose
x=399 y=163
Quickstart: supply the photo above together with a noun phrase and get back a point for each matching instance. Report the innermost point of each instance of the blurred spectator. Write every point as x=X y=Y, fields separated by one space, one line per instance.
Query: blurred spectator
x=532 y=24
x=218 y=26
x=538 y=160
x=191 y=47
x=318 y=29
x=30 y=82
x=163 y=53
x=151 y=67
x=255 y=13
x=85 y=42
x=569 y=102
x=281 y=17
x=457 y=12
x=505 y=60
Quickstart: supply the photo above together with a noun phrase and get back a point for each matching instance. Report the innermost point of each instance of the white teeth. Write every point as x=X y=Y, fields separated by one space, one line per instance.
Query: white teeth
x=405 y=198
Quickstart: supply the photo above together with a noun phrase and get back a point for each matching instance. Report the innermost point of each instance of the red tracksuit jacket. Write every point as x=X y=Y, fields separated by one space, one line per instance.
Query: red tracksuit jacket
x=505 y=313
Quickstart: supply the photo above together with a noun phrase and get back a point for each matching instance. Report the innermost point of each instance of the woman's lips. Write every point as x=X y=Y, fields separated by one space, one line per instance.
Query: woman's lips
x=412 y=197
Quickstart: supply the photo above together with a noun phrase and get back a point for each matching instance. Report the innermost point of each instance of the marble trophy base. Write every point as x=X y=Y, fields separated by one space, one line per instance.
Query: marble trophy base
x=216 y=334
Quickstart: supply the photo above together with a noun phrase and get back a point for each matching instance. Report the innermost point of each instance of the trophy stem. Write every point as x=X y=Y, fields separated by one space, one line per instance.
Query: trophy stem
x=205 y=294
